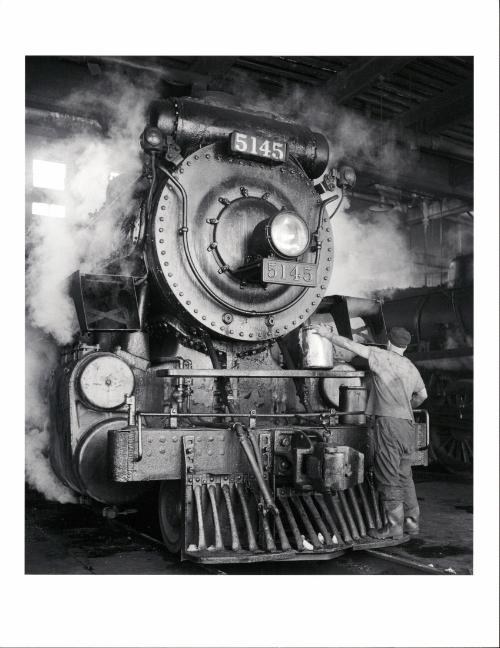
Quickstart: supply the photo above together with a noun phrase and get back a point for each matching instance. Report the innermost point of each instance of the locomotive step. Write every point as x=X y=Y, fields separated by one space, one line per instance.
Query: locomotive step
x=229 y=557
x=372 y=543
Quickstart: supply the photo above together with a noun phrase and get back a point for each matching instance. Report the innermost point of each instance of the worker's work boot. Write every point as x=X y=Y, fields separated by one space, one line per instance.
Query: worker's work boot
x=411 y=525
x=395 y=521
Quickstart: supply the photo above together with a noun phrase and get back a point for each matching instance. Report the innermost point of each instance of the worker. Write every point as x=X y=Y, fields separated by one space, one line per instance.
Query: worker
x=397 y=388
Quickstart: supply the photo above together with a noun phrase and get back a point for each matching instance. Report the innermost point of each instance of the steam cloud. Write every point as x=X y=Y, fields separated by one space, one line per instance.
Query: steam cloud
x=371 y=249
x=57 y=247
x=371 y=252
x=353 y=138
x=41 y=354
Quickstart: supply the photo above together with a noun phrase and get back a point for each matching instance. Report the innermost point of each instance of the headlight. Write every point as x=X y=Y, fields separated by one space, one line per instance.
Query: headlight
x=106 y=381
x=289 y=234
x=153 y=136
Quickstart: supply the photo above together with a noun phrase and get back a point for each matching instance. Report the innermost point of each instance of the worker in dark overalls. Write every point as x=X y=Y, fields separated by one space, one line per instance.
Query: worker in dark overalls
x=397 y=388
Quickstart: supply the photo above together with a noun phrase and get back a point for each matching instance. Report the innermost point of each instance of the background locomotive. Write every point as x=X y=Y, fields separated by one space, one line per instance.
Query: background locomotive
x=195 y=366
x=441 y=322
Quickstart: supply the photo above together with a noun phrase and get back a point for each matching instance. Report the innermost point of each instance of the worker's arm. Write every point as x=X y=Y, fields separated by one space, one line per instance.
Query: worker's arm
x=418 y=398
x=339 y=340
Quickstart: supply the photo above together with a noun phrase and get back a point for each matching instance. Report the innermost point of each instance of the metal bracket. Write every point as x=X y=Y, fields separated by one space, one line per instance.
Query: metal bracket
x=130 y=401
x=139 y=436
x=188 y=447
x=330 y=418
x=427 y=425
x=265 y=449
x=135 y=420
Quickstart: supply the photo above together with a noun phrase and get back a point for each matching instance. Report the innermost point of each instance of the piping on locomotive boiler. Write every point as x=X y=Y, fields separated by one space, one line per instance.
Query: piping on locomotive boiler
x=189 y=372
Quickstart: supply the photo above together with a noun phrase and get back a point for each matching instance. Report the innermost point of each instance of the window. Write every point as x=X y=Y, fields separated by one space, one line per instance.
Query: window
x=49 y=175
x=48 y=209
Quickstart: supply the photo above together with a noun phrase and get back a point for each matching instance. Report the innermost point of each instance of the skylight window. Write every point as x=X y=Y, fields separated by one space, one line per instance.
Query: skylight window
x=48 y=209
x=49 y=175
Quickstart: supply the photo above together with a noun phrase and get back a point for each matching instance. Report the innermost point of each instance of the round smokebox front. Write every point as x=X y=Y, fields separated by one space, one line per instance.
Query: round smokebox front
x=238 y=246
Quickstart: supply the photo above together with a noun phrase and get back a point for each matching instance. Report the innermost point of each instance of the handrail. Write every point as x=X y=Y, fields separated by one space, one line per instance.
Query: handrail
x=165 y=372
x=174 y=414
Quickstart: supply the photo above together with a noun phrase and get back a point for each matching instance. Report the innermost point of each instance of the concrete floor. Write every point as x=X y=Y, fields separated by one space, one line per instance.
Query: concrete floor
x=72 y=539
x=445 y=540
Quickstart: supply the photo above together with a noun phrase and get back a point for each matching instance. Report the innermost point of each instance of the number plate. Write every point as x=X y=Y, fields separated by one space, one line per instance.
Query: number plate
x=260 y=147
x=289 y=272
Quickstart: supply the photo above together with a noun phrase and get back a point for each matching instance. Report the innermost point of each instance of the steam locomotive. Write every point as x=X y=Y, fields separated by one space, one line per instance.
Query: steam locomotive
x=197 y=368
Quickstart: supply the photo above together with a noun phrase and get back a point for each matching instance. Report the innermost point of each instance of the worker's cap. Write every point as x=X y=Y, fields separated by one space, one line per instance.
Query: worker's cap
x=399 y=336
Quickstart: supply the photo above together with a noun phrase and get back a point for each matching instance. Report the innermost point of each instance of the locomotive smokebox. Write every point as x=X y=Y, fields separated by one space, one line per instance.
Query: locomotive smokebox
x=194 y=124
x=238 y=242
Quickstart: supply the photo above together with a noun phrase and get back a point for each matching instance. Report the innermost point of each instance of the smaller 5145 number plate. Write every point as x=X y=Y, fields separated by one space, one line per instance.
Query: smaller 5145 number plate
x=289 y=272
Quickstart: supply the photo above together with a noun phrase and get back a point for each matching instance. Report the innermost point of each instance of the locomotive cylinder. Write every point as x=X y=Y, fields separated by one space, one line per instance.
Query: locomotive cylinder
x=194 y=124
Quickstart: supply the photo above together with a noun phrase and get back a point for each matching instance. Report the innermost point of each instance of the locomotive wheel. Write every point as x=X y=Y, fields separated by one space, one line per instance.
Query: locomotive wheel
x=453 y=448
x=171 y=514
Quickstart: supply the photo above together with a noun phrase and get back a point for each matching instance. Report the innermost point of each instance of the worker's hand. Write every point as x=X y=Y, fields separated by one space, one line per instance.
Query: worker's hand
x=325 y=330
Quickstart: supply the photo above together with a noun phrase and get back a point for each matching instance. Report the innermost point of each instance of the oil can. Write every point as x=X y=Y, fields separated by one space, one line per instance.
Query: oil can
x=317 y=351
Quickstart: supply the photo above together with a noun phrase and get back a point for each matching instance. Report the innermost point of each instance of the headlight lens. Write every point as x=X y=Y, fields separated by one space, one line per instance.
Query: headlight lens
x=289 y=234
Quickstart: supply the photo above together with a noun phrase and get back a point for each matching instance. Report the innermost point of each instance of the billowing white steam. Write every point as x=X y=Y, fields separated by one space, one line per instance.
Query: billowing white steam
x=41 y=353
x=59 y=246
x=353 y=138
x=371 y=251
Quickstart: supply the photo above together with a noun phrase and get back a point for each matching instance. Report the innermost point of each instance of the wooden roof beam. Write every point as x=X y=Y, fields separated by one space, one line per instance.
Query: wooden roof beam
x=442 y=110
x=362 y=74
x=212 y=66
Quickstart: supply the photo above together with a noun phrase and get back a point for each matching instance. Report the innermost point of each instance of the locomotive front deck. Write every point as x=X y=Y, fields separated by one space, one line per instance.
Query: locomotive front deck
x=321 y=504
